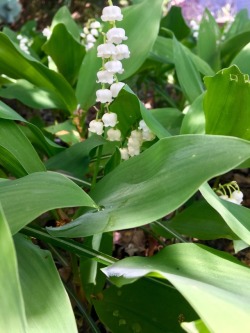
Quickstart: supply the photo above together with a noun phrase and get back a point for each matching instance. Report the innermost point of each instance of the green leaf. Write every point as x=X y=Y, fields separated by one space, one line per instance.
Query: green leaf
x=63 y=16
x=162 y=51
x=38 y=193
x=241 y=60
x=67 y=59
x=12 y=314
x=175 y=22
x=145 y=187
x=205 y=277
x=223 y=112
x=236 y=216
x=18 y=150
x=169 y=118
x=240 y=23
x=127 y=309
x=47 y=305
x=194 y=119
x=66 y=131
x=147 y=16
x=195 y=327
x=187 y=73
x=208 y=38
x=19 y=65
x=74 y=161
x=201 y=221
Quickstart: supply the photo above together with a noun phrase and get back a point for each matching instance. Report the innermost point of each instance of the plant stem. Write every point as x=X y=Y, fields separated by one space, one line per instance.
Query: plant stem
x=171 y=231
x=97 y=165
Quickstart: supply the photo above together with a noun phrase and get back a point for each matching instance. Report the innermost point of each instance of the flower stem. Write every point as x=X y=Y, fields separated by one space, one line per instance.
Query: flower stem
x=97 y=165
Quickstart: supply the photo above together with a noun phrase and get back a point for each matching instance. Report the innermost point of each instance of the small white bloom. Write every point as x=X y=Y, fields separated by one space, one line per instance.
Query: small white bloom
x=109 y=119
x=106 y=50
x=148 y=135
x=96 y=126
x=133 y=151
x=86 y=30
x=137 y=135
x=104 y=96
x=90 y=38
x=238 y=196
x=114 y=66
x=47 y=32
x=95 y=25
x=111 y=13
x=124 y=153
x=94 y=32
x=105 y=77
x=89 y=46
x=143 y=126
x=113 y=134
x=116 y=88
x=116 y=35
x=122 y=52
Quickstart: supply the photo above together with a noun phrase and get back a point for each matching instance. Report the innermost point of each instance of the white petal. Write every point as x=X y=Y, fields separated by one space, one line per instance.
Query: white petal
x=111 y=13
x=113 y=134
x=109 y=119
x=96 y=126
x=114 y=66
x=116 y=35
x=116 y=88
x=104 y=96
x=106 y=50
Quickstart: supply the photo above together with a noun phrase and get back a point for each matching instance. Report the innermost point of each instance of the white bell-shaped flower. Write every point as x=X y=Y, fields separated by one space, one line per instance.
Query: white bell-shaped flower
x=109 y=119
x=136 y=135
x=116 y=88
x=133 y=151
x=143 y=126
x=238 y=196
x=95 y=25
x=94 y=32
x=122 y=52
x=111 y=13
x=148 y=135
x=114 y=134
x=89 y=46
x=96 y=126
x=124 y=153
x=106 y=50
x=105 y=77
x=116 y=35
x=90 y=38
x=114 y=66
x=104 y=96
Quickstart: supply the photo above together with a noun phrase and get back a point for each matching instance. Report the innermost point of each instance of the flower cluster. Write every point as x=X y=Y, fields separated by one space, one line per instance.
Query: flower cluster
x=230 y=192
x=90 y=33
x=135 y=141
x=112 y=51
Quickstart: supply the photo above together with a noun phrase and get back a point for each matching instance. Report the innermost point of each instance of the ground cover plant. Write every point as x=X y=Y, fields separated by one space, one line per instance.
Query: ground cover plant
x=136 y=122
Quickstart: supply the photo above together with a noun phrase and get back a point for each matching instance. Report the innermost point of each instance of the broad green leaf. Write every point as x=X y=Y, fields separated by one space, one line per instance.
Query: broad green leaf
x=201 y=221
x=162 y=51
x=18 y=148
x=144 y=306
x=188 y=76
x=194 y=119
x=29 y=94
x=195 y=327
x=74 y=160
x=175 y=22
x=227 y=113
x=208 y=39
x=38 y=193
x=147 y=16
x=145 y=187
x=241 y=60
x=8 y=113
x=127 y=106
x=169 y=118
x=47 y=305
x=63 y=16
x=67 y=59
x=205 y=277
x=19 y=65
x=12 y=314
x=240 y=23
x=236 y=216
x=66 y=131
x=231 y=46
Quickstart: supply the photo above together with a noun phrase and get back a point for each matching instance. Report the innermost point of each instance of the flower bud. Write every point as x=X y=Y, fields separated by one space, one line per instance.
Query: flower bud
x=109 y=119
x=106 y=50
x=111 y=13
x=113 y=134
x=121 y=52
x=116 y=35
x=116 y=88
x=104 y=96
x=238 y=196
x=94 y=32
x=114 y=66
x=96 y=126
x=105 y=77
x=90 y=38
x=95 y=25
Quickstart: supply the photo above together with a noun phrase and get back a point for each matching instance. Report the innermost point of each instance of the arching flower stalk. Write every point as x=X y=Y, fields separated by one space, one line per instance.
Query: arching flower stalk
x=230 y=192
x=112 y=51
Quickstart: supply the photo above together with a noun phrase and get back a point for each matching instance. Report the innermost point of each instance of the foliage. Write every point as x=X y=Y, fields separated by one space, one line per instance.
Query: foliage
x=63 y=191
